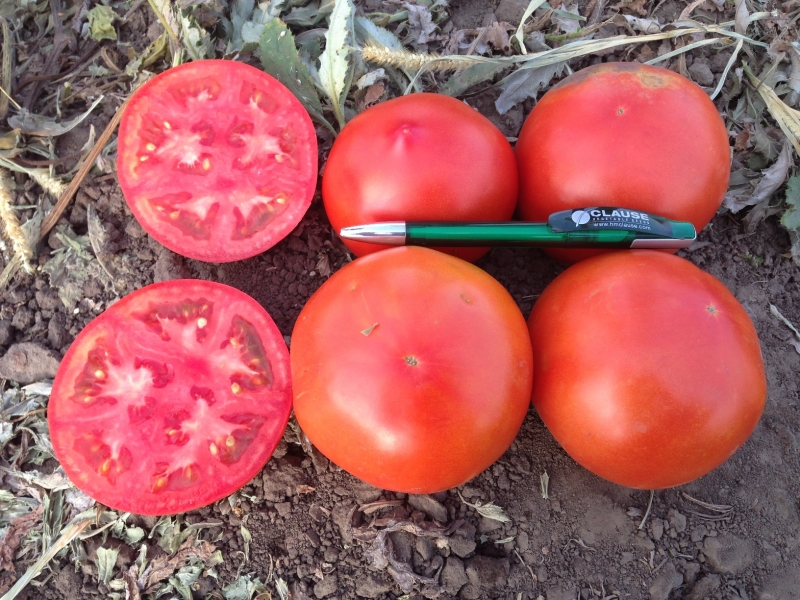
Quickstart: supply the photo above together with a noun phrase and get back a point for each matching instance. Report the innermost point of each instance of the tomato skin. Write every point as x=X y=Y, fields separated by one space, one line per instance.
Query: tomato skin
x=147 y=390
x=411 y=370
x=217 y=160
x=627 y=135
x=423 y=157
x=648 y=371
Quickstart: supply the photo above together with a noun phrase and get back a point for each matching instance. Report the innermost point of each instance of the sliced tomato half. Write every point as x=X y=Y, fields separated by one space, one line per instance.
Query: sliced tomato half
x=174 y=397
x=217 y=160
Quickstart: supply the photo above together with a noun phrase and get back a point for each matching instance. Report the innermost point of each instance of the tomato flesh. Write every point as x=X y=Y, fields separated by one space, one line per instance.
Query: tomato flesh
x=217 y=160
x=174 y=397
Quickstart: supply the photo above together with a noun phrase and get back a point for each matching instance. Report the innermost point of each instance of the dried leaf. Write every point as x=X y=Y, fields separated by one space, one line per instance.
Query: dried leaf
x=787 y=118
x=497 y=36
x=380 y=554
x=796 y=341
x=370 y=78
x=335 y=71
x=282 y=588
x=648 y=26
x=280 y=59
x=71 y=266
x=31 y=124
x=71 y=532
x=567 y=18
x=637 y=6
x=162 y=567
x=244 y=588
x=526 y=83
x=323 y=265
x=374 y=93
x=16 y=531
x=369 y=329
x=101 y=23
x=742 y=18
x=472 y=75
x=369 y=33
x=773 y=178
x=490 y=510
x=247 y=537
x=423 y=28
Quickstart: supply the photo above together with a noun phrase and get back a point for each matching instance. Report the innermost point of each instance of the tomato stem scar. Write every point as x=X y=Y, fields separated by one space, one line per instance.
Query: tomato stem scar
x=410 y=360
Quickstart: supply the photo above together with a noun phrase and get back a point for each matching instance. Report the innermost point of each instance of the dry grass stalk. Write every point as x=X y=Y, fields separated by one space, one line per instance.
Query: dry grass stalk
x=409 y=60
x=69 y=533
x=13 y=229
x=6 y=67
x=569 y=51
x=64 y=198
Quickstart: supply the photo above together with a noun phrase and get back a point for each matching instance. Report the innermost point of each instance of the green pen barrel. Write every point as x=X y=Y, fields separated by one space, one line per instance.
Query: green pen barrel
x=512 y=234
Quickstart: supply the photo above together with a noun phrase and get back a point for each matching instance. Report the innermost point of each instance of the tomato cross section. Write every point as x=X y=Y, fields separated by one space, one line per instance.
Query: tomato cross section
x=217 y=160
x=173 y=398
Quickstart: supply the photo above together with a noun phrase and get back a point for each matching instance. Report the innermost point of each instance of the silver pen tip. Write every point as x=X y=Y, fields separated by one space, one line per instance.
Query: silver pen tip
x=390 y=233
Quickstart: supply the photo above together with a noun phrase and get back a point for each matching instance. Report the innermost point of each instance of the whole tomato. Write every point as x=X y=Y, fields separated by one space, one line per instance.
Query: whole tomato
x=648 y=371
x=423 y=157
x=627 y=135
x=411 y=370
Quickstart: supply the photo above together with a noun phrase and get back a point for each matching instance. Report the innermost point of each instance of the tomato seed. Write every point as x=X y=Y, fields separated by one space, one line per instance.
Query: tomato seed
x=167 y=125
x=150 y=147
x=201 y=322
x=230 y=442
x=236 y=388
x=212 y=447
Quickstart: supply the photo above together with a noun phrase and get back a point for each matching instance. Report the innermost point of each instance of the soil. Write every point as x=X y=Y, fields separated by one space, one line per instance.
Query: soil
x=588 y=539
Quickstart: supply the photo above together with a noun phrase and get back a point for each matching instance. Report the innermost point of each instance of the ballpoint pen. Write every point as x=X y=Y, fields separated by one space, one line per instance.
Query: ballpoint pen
x=591 y=227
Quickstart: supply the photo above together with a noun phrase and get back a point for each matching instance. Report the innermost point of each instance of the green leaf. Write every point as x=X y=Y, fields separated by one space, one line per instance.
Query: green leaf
x=134 y=535
x=791 y=218
x=464 y=79
x=311 y=15
x=101 y=23
x=196 y=40
x=106 y=559
x=280 y=59
x=336 y=69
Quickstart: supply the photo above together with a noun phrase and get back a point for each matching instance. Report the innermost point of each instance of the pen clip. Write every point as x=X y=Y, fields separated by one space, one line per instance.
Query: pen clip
x=609 y=218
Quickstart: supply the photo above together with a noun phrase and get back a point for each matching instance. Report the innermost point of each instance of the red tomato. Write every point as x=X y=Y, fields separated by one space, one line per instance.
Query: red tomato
x=626 y=135
x=648 y=371
x=173 y=398
x=217 y=160
x=411 y=369
x=423 y=157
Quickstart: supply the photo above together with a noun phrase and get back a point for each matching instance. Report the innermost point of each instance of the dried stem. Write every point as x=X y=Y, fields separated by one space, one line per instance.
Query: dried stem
x=64 y=198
